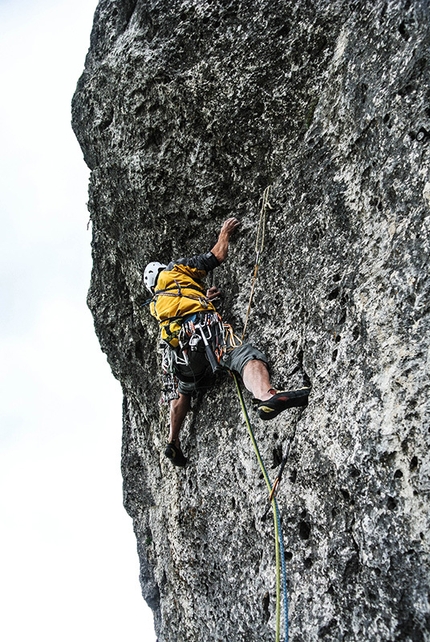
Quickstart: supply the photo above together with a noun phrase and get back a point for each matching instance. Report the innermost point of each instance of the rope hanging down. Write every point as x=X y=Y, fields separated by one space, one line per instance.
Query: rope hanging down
x=259 y=246
x=279 y=540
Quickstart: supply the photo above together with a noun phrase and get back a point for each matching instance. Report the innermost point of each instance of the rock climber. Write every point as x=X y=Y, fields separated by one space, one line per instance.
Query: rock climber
x=197 y=344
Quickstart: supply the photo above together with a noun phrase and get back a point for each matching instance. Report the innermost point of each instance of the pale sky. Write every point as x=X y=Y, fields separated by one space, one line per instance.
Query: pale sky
x=69 y=569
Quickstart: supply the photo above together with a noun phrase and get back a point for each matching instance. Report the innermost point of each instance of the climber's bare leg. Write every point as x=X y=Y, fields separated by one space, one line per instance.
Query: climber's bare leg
x=255 y=376
x=178 y=411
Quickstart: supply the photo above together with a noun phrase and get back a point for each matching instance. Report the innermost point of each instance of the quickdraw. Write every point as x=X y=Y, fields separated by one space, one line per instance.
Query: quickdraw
x=169 y=387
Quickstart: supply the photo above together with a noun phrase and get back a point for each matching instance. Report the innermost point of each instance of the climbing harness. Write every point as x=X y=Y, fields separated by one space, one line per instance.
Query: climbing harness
x=259 y=246
x=209 y=328
x=279 y=541
x=200 y=332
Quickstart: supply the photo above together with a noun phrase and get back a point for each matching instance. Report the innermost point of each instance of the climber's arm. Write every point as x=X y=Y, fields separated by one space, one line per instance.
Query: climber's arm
x=220 y=249
x=209 y=261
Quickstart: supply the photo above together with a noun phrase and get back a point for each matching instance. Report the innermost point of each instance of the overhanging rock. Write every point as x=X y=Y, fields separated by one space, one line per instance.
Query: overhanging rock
x=186 y=111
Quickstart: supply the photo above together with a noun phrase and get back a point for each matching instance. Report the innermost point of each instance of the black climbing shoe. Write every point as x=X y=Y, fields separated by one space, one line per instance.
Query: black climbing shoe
x=175 y=455
x=281 y=401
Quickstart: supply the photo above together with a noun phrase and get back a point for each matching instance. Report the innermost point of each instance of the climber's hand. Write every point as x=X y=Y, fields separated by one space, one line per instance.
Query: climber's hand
x=213 y=293
x=220 y=249
x=229 y=226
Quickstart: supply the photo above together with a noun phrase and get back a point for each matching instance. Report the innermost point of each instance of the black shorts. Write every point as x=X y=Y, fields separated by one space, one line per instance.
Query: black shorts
x=198 y=375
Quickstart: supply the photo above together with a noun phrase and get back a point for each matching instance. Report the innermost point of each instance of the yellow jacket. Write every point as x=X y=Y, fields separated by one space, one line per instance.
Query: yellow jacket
x=180 y=292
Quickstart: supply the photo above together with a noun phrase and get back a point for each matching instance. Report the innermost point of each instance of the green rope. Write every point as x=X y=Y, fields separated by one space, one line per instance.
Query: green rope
x=274 y=507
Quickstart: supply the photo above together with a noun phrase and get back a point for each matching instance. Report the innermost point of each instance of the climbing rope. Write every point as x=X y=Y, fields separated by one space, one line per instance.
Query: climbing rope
x=279 y=541
x=259 y=246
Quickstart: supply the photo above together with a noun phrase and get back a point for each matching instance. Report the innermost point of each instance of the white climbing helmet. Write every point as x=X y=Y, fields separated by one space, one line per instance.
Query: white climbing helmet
x=151 y=273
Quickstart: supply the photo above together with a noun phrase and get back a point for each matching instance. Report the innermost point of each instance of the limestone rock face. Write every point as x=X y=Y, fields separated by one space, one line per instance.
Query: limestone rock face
x=186 y=111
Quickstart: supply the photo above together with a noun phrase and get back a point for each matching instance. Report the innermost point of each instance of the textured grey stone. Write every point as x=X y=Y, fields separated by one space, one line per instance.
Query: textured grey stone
x=185 y=112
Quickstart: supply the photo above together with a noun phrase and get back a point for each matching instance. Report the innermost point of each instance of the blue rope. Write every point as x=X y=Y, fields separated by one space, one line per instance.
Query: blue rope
x=284 y=571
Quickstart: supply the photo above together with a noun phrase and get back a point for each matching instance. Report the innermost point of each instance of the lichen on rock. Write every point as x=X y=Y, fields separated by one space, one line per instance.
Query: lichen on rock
x=186 y=111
